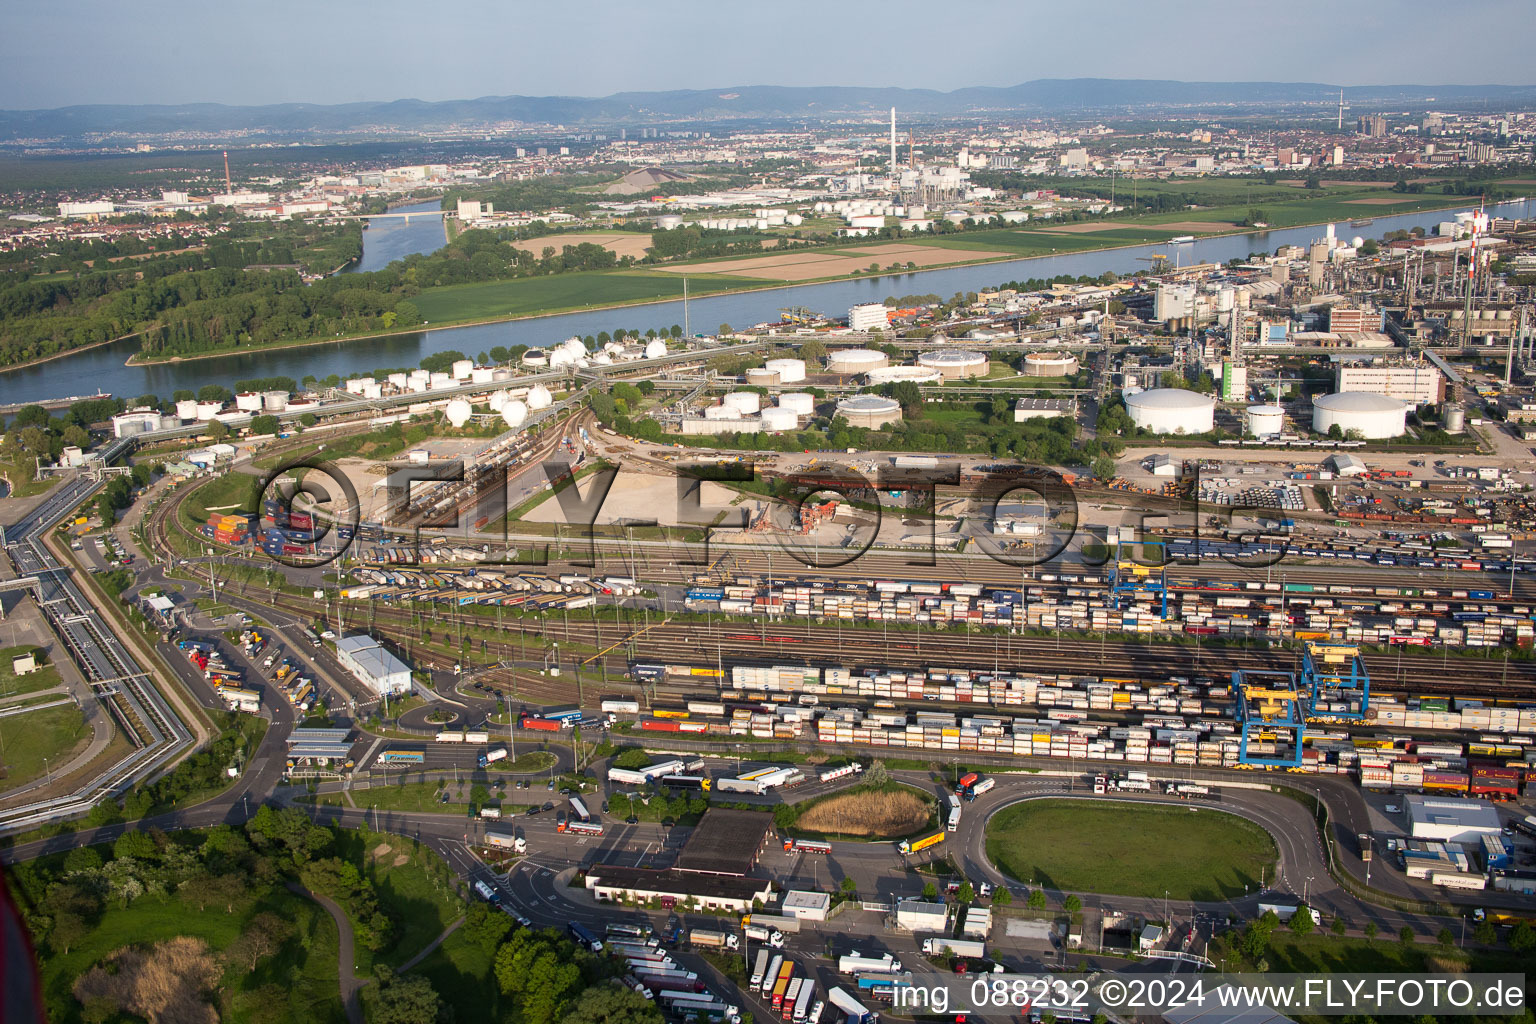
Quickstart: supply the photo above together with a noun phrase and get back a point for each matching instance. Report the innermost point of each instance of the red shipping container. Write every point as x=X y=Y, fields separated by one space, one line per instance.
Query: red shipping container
x=659 y=725
x=542 y=724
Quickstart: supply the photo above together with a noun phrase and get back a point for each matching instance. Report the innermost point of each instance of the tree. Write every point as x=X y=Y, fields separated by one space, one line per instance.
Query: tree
x=217 y=430
x=407 y=999
x=725 y=329
x=1072 y=904
x=612 y=1004
x=1485 y=933
x=1037 y=899
x=966 y=893
x=1522 y=938
x=1370 y=929
x=262 y=938
x=848 y=885
x=133 y=844
x=813 y=350
x=1337 y=926
x=1103 y=468
x=1405 y=935
x=1445 y=937
x=264 y=424
x=1002 y=896
x=1301 y=922
x=930 y=891
x=1335 y=432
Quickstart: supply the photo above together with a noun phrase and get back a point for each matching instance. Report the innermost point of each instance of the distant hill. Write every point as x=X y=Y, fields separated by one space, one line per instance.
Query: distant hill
x=800 y=103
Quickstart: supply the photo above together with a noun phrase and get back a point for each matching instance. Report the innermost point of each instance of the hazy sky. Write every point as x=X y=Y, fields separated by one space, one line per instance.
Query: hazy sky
x=65 y=52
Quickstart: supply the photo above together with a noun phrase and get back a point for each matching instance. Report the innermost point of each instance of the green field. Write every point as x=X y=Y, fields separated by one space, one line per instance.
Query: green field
x=56 y=733
x=299 y=984
x=12 y=685
x=416 y=797
x=1129 y=849
x=527 y=296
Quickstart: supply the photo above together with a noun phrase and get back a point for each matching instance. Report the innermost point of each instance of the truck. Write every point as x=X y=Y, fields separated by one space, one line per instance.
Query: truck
x=952 y=821
x=580 y=828
x=584 y=937
x=910 y=846
x=618 y=706
x=1285 y=912
x=486 y=892
x=806 y=846
x=853 y=963
x=492 y=756
x=502 y=841
x=804 y=1000
x=985 y=785
x=966 y=781
x=838 y=773
x=791 y=996
x=563 y=713
x=857 y=1012
x=579 y=809
x=401 y=758
x=783 y=924
x=713 y=939
x=637 y=931
x=771 y=975
x=959 y=947
x=762 y=933
x=689 y=1003
x=781 y=984
x=758 y=967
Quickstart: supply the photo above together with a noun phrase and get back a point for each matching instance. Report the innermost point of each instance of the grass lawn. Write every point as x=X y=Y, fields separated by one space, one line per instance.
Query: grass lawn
x=1129 y=849
x=56 y=733
x=20 y=476
x=529 y=295
x=11 y=685
x=301 y=979
x=422 y=796
x=413 y=883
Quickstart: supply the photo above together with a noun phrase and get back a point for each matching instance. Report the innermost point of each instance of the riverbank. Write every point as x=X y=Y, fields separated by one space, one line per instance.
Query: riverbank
x=700 y=287
x=67 y=353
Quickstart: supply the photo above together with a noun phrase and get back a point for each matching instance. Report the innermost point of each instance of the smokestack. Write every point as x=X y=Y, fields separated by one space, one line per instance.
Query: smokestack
x=893 y=142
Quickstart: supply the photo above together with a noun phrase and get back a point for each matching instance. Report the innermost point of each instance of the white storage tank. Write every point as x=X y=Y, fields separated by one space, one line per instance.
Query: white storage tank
x=780 y=418
x=1049 y=364
x=373 y=391
x=956 y=364
x=441 y=380
x=669 y=221
x=208 y=410
x=514 y=414
x=462 y=368
x=790 y=371
x=539 y=397
x=1374 y=416
x=1455 y=419
x=536 y=357
x=1265 y=420
x=248 y=401
x=480 y=375
x=187 y=409
x=850 y=361
x=719 y=412
x=497 y=400
x=904 y=372
x=399 y=380
x=743 y=403
x=869 y=410
x=1171 y=411
x=801 y=403
x=761 y=377
x=458 y=412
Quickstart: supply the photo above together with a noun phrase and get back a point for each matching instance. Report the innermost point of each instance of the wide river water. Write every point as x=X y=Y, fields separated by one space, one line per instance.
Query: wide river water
x=104 y=367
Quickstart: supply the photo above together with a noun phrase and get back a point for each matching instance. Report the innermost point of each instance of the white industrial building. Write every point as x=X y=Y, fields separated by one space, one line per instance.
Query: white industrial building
x=1416 y=383
x=1171 y=411
x=869 y=316
x=1043 y=408
x=1372 y=416
x=918 y=916
x=1450 y=820
x=374 y=667
x=806 y=906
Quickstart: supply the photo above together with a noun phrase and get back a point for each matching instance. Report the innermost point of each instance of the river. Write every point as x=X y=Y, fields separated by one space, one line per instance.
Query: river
x=104 y=367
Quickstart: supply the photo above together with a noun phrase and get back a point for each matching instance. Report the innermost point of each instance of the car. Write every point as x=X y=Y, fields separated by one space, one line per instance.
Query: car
x=1392 y=808
x=631 y=820
x=550 y=784
x=605 y=806
x=548 y=806
x=1507 y=830
x=667 y=823
x=532 y=811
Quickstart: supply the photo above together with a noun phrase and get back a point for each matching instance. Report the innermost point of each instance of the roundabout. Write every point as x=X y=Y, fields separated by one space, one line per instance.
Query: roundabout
x=1143 y=849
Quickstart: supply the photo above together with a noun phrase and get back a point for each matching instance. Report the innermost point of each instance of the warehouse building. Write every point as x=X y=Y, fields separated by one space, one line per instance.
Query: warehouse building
x=375 y=667
x=806 y=906
x=1451 y=820
x=1043 y=408
x=919 y=916
x=712 y=867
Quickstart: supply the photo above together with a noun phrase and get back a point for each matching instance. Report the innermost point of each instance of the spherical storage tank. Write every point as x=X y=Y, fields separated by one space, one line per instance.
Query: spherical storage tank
x=1049 y=364
x=514 y=414
x=1171 y=411
x=540 y=398
x=744 y=403
x=656 y=349
x=789 y=370
x=1374 y=416
x=956 y=364
x=869 y=410
x=459 y=412
x=855 y=360
x=498 y=400
x=780 y=418
x=1264 y=420
x=801 y=403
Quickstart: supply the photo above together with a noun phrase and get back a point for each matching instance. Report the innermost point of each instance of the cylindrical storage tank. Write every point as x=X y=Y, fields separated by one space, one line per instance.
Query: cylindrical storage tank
x=869 y=410
x=744 y=403
x=458 y=412
x=1226 y=297
x=441 y=380
x=1171 y=411
x=373 y=391
x=248 y=401
x=912 y=374
x=500 y=374
x=668 y=221
x=419 y=386
x=801 y=403
x=303 y=405
x=170 y=422
x=1049 y=364
x=790 y=371
x=1374 y=416
x=399 y=380
x=208 y=410
x=421 y=375
x=719 y=412
x=1455 y=419
x=462 y=368
x=655 y=349
x=850 y=361
x=761 y=377
x=535 y=357
x=480 y=375
x=514 y=414
x=956 y=364
x=540 y=398
x=1264 y=420
x=186 y=409
x=779 y=418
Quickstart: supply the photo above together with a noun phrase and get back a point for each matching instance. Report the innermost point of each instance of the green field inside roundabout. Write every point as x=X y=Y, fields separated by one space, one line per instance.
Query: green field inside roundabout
x=1127 y=849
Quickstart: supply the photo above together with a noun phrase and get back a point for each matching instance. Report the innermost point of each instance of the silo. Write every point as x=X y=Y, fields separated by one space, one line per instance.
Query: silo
x=480 y=375
x=850 y=361
x=801 y=403
x=208 y=410
x=186 y=409
x=441 y=380
x=399 y=380
x=790 y=371
x=744 y=403
x=462 y=368
x=248 y=401
x=779 y=418
x=1455 y=419
x=761 y=377
x=1265 y=420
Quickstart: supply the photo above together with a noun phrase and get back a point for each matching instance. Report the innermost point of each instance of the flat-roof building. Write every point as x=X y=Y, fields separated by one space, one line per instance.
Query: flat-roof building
x=1451 y=820
x=1041 y=408
x=920 y=916
x=374 y=667
x=807 y=906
